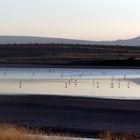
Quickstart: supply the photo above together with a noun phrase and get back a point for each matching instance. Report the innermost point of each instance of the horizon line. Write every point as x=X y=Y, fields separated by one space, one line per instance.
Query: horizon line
x=37 y=36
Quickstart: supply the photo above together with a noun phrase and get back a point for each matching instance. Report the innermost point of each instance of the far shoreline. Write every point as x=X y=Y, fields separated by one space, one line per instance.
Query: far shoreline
x=66 y=66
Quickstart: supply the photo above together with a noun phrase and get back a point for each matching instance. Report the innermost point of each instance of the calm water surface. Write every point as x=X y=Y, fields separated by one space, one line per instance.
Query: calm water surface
x=102 y=83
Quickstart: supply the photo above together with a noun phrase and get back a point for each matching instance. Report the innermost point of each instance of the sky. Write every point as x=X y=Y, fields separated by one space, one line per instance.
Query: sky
x=75 y=19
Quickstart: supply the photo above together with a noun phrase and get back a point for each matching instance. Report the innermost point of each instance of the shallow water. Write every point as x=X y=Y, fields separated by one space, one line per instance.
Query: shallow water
x=102 y=83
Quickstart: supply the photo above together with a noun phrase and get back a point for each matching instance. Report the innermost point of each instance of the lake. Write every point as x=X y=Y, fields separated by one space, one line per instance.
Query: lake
x=100 y=83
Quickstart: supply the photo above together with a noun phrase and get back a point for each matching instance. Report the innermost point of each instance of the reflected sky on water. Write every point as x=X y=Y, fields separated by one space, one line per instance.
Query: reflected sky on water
x=103 y=83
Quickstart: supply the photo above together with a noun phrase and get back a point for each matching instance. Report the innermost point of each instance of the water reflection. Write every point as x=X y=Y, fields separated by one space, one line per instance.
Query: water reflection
x=106 y=83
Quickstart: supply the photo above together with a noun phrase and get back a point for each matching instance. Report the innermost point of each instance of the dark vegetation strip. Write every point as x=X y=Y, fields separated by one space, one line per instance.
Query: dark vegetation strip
x=69 y=55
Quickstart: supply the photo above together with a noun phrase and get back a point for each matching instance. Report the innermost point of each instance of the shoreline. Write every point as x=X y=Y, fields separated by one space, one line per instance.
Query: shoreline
x=65 y=66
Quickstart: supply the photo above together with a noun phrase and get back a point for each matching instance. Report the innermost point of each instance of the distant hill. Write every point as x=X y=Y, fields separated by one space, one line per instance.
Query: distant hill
x=128 y=42
x=44 y=40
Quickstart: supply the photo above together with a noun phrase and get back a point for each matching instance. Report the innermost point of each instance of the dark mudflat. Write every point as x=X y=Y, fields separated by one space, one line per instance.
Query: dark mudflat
x=71 y=114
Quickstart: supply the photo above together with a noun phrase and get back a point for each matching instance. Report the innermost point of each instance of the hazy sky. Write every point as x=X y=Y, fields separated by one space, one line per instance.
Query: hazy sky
x=80 y=19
